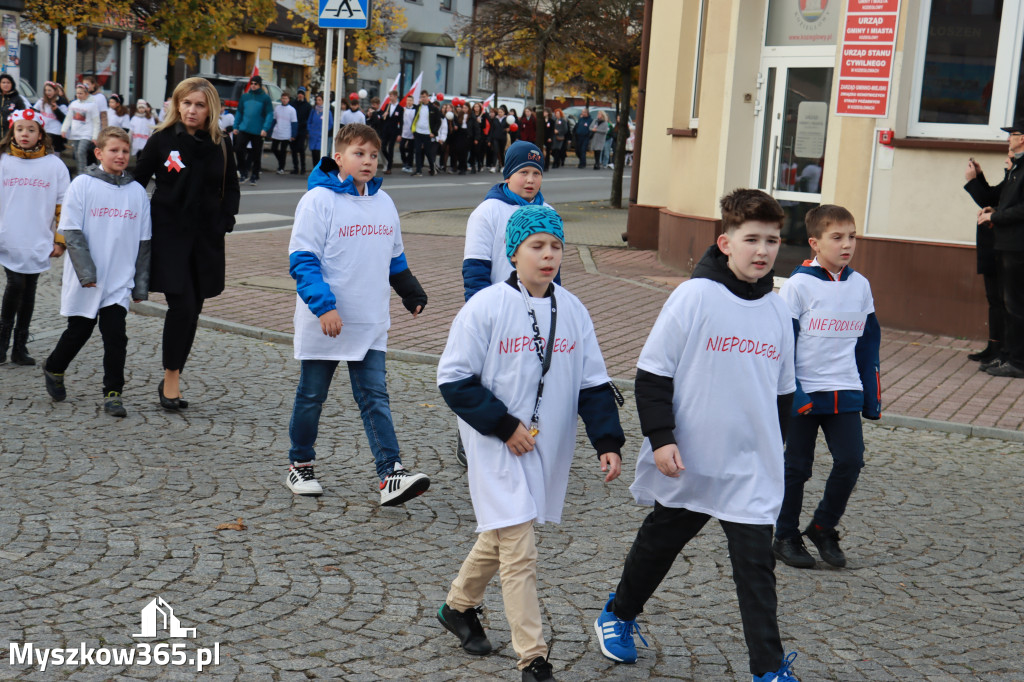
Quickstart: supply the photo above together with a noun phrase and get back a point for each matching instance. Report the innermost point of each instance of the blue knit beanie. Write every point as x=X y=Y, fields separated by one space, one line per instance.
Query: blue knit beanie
x=521 y=155
x=529 y=220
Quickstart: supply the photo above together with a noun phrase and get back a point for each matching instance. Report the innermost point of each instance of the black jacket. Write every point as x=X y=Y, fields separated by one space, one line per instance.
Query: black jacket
x=392 y=124
x=10 y=103
x=192 y=209
x=1007 y=198
x=302 y=110
x=434 y=118
x=984 y=237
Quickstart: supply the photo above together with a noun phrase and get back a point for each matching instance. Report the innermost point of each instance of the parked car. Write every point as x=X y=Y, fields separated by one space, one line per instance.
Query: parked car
x=27 y=91
x=230 y=89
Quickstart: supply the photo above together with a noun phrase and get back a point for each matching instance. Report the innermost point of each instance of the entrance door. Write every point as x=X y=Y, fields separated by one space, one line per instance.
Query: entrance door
x=789 y=153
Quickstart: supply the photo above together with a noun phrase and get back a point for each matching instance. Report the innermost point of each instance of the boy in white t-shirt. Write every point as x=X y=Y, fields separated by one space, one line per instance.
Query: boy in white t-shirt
x=511 y=343
x=106 y=225
x=837 y=381
x=714 y=387
x=286 y=127
x=346 y=248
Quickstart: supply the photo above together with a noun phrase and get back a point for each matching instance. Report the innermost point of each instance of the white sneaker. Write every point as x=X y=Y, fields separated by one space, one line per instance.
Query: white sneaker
x=401 y=486
x=302 y=481
x=280 y=171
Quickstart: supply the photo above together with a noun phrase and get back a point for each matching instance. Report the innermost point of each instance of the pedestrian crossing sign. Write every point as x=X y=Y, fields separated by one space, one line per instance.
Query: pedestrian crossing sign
x=344 y=14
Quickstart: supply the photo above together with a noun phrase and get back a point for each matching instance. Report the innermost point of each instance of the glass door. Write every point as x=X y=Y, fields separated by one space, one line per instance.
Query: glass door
x=792 y=127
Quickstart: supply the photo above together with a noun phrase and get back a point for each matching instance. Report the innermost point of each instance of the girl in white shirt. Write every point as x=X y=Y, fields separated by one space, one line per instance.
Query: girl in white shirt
x=117 y=113
x=32 y=186
x=81 y=126
x=52 y=108
x=141 y=126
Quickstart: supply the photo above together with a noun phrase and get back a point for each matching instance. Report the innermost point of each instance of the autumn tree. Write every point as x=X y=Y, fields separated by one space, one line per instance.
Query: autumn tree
x=520 y=32
x=190 y=28
x=616 y=38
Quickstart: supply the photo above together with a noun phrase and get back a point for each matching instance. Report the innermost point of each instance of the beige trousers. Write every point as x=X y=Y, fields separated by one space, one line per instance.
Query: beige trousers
x=511 y=551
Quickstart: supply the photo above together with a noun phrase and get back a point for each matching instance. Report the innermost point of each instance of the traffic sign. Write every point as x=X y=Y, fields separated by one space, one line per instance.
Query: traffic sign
x=344 y=14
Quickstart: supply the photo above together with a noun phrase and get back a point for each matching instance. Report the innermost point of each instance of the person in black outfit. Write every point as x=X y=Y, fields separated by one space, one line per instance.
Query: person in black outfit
x=391 y=129
x=1002 y=214
x=10 y=100
x=192 y=210
x=425 y=143
x=302 y=109
x=498 y=136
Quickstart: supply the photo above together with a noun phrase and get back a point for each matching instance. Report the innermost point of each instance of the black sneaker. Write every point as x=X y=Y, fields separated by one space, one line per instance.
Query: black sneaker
x=1006 y=369
x=792 y=552
x=113 y=406
x=55 y=385
x=539 y=670
x=986 y=364
x=827 y=542
x=466 y=626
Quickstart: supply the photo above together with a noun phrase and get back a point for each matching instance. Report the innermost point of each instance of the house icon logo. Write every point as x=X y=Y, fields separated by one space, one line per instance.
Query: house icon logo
x=159 y=610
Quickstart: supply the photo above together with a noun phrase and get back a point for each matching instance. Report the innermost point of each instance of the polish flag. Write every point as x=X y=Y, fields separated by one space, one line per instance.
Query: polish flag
x=414 y=91
x=255 y=72
x=394 y=86
x=486 y=104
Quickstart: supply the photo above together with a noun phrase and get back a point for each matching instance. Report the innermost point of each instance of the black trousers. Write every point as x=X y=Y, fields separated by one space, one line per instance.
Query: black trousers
x=19 y=299
x=460 y=150
x=115 y=345
x=279 y=148
x=424 y=146
x=405 y=150
x=581 y=149
x=314 y=157
x=180 y=325
x=299 y=152
x=663 y=535
x=389 y=150
x=250 y=161
x=994 y=297
x=498 y=148
x=1011 y=276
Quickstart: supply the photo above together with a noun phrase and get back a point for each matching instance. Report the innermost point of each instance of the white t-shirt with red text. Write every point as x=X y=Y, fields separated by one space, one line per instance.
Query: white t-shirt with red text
x=30 y=190
x=355 y=239
x=729 y=359
x=492 y=338
x=114 y=220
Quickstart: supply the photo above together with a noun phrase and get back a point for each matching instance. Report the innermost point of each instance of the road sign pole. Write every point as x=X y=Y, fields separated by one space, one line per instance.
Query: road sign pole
x=325 y=123
x=339 y=81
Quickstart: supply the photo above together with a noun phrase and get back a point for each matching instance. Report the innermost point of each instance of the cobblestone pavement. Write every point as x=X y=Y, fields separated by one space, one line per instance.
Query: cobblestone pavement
x=100 y=516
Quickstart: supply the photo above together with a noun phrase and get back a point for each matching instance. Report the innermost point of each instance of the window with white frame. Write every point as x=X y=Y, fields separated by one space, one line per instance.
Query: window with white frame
x=968 y=79
x=484 y=77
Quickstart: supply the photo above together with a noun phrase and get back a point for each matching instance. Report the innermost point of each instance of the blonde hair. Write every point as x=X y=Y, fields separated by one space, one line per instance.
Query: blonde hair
x=112 y=133
x=183 y=90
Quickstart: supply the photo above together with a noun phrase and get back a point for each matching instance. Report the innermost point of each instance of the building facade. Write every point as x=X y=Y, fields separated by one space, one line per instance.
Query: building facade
x=873 y=105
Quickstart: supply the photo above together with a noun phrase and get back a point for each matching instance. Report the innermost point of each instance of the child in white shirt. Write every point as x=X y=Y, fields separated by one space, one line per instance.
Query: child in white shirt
x=81 y=126
x=32 y=186
x=511 y=343
x=286 y=127
x=106 y=224
x=141 y=126
x=346 y=248
x=714 y=386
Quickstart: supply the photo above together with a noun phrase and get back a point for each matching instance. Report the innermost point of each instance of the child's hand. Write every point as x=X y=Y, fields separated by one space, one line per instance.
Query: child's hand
x=668 y=461
x=521 y=441
x=330 y=323
x=58 y=251
x=416 y=312
x=612 y=463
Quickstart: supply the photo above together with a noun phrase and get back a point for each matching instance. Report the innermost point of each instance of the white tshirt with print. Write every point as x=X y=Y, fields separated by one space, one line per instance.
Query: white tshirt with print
x=114 y=220
x=30 y=191
x=485 y=236
x=729 y=360
x=354 y=238
x=492 y=338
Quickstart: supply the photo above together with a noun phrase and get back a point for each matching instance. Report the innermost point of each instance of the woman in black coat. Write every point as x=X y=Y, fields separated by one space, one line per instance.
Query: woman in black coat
x=194 y=205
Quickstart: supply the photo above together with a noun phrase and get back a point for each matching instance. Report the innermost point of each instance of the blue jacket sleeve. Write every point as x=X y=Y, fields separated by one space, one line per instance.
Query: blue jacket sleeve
x=268 y=118
x=476 y=275
x=295 y=129
x=479 y=407
x=600 y=416
x=398 y=263
x=304 y=268
x=802 y=402
x=866 y=352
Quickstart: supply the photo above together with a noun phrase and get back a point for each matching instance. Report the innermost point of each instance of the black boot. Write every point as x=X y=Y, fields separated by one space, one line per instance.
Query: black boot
x=991 y=351
x=19 y=354
x=5 y=339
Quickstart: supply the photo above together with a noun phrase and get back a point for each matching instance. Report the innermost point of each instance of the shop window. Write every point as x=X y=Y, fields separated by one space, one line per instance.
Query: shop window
x=99 y=57
x=441 y=72
x=408 y=69
x=968 y=72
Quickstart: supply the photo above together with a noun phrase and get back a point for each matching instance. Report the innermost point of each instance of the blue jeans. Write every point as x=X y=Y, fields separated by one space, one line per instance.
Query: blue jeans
x=845 y=438
x=369 y=386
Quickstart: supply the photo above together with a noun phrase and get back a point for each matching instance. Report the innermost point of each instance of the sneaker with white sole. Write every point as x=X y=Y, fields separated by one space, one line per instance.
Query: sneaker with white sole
x=401 y=486
x=302 y=480
x=616 y=635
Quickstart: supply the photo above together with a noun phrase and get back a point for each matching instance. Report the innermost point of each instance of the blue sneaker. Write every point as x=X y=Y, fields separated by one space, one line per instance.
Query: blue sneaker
x=784 y=674
x=616 y=635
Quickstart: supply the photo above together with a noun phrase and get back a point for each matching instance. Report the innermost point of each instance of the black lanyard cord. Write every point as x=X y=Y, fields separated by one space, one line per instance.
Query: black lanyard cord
x=544 y=351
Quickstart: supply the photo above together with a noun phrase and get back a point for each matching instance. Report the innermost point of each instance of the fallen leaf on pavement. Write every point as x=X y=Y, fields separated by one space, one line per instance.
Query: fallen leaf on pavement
x=237 y=525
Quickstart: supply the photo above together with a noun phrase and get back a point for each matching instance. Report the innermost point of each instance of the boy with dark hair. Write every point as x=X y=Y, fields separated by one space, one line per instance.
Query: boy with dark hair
x=492 y=374
x=837 y=380
x=714 y=386
x=106 y=224
x=346 y=248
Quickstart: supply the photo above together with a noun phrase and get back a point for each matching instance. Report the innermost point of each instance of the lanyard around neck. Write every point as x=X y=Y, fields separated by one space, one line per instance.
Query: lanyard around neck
x=544 y=350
